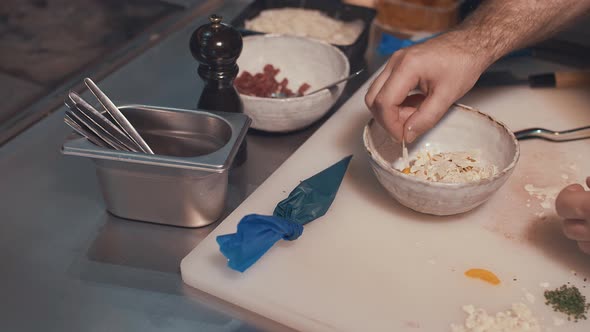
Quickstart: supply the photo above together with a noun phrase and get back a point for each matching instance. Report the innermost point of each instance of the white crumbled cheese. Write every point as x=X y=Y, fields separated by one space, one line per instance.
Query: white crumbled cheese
x=541 y=214
x=546 y=204
x=306 y=23
x=530 y=297
x=517 y=319
x=546 y=195
x=558 y=321
x=450 y=167
x=405 y=158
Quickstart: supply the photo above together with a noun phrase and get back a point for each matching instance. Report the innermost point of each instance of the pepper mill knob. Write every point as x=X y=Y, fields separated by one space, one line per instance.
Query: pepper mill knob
x=215 y=19
x=216 y=46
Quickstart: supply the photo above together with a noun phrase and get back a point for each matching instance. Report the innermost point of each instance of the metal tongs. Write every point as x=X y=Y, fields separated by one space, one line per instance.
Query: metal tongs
x=554 y=136
x=116 y=133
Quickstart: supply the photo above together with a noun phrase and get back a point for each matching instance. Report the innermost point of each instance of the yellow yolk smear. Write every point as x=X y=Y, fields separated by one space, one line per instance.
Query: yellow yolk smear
x=484 y=275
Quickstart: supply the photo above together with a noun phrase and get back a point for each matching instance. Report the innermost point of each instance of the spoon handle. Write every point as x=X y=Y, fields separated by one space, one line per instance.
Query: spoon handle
x=335 y=83
x=555 y=136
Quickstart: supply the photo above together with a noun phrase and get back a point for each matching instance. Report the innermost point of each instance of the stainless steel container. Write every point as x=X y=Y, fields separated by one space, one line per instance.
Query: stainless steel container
x=185 y=182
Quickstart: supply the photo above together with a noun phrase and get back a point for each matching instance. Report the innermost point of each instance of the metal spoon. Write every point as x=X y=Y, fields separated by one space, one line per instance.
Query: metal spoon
x=554 y=136
x=329 y=86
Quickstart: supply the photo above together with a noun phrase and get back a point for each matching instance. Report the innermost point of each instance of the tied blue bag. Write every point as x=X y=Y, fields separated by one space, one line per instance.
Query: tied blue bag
x=256 y=234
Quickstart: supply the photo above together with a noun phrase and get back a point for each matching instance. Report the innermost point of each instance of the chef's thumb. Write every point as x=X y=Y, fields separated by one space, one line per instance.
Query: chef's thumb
x=573 y=202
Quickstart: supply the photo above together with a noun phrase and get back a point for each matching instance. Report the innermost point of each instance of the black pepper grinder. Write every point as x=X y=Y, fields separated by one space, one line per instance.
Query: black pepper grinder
x=217 y=46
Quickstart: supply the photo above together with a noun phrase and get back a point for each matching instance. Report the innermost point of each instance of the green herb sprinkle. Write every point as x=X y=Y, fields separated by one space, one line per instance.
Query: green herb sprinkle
x=568 y=300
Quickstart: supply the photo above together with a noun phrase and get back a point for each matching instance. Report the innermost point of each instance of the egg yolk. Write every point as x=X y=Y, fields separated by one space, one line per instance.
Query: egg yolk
x=484 y=275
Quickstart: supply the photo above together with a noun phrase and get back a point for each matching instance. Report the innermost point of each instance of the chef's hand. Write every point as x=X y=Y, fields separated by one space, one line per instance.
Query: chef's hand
x=573 y=204
x=442 y=68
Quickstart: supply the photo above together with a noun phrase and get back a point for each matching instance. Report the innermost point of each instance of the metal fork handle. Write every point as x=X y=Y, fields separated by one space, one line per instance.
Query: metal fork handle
x=555 y=136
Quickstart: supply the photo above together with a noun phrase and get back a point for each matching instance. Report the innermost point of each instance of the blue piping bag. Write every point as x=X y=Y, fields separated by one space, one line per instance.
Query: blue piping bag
x=256 y=234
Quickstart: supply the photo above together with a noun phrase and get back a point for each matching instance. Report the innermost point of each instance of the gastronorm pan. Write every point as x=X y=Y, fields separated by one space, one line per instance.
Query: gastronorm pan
x=185 y=182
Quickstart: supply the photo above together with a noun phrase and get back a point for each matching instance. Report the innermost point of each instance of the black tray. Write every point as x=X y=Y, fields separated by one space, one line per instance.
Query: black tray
x=333 y=8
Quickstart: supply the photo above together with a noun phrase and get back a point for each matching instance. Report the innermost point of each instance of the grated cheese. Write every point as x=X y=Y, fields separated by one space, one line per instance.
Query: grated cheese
x=517 y=319
x=546 y=195
x=450 y=167
x=306 y=23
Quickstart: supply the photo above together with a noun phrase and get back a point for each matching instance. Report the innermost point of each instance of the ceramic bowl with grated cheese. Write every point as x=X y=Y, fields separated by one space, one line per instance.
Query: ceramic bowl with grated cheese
x=453 y=168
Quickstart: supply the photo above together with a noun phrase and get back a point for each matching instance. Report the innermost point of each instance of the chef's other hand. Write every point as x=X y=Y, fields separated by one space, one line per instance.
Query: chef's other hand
x=573 y=204
x=443 y=69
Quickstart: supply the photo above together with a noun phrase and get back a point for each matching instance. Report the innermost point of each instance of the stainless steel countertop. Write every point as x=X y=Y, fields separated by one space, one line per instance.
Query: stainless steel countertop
x=68 y=265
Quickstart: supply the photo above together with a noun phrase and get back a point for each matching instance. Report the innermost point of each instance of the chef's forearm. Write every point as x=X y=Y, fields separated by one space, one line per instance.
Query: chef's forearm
x=498 y=27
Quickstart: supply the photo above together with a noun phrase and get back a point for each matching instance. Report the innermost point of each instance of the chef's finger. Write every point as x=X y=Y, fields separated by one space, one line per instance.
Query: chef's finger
x=414 y=100
x=578 y=230
x=396 y=88
x=584 y=246
x=409 y=107
x=379 y=81
x=397 y=127
x=429 y=113
x=573 y=203
x=390 y=122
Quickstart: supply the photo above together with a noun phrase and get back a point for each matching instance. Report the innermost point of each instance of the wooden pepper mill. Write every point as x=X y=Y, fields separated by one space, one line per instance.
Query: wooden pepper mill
x=217 y=46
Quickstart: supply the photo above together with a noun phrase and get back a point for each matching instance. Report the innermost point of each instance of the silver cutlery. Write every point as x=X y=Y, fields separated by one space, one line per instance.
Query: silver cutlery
x=555 y=136
x=102 y=122
x=82 y=131
x=120 y=119
x=79 y=118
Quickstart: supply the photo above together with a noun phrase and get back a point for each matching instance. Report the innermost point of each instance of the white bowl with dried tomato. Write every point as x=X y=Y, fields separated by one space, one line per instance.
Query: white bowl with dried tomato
x=297 y=64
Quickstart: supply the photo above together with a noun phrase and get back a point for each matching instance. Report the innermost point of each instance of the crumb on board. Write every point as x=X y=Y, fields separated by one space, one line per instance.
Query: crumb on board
x=546 y=195
x=518 y=319
x=558 y=321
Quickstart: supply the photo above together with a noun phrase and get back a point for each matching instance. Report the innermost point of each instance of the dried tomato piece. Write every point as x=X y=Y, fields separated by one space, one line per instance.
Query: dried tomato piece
x=265 y=84
x=304 y=87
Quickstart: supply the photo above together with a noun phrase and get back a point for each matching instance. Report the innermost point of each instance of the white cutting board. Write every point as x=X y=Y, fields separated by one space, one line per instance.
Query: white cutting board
x=372 y=265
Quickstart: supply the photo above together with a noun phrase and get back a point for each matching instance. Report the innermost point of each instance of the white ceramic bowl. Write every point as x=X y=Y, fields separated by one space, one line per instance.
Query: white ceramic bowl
x=461 y=129
x=300 y=60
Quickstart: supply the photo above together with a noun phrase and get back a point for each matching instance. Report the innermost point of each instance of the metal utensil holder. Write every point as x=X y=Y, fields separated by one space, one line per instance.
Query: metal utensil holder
x=185 y=182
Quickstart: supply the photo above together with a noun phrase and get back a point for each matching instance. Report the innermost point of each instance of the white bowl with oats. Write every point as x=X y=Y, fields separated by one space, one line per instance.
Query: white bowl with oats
x=453 y=168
